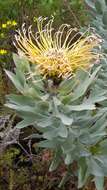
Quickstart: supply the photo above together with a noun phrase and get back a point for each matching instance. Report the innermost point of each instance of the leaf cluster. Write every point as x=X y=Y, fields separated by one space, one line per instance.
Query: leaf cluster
x=98 y=12
x=70 y=116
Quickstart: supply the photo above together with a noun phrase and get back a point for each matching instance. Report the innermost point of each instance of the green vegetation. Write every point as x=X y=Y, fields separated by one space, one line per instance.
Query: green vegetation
x=59 y=123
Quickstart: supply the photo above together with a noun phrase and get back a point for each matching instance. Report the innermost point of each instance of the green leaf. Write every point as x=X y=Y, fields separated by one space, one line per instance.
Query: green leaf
x=21 y=62
x=15 y=80
x=69 y=159
x=20 y=76
x=56 y=160
x=102 y=160
x=34 y=136
x=67 y=86
x=104 y=19
x=99 y=182
x=62 y=131
x=99 y=134
x=96 y=99
x=56 y=128
x=18 y=107
x=94 y=167
x=25 y=123
x=65 y=119
x=83 y=86
x=99 y=125
x=20 y=100
x=81 y=107
x=52 y=144
x=99 y=6
x=106 y=2
x=68 y=146
x=83 y=173
x=50 y=133
x=45 y=122
x=103 y=147
x=34 y=93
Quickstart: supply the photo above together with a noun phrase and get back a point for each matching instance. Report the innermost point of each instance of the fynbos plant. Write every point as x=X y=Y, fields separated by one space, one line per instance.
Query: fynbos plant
x=59 y=94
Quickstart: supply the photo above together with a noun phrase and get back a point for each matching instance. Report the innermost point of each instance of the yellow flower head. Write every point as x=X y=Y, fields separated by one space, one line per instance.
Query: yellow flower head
x=3 y=51
x=4 y=25
x=8 y=22
x=56 y=54
x=2 y=35
x=13 y=23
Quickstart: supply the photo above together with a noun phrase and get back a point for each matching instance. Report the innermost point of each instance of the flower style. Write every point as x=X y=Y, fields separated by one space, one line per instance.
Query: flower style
x=55 y=53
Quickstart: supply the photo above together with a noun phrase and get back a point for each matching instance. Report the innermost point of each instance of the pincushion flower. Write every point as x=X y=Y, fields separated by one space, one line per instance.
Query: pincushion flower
x=55 y=53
